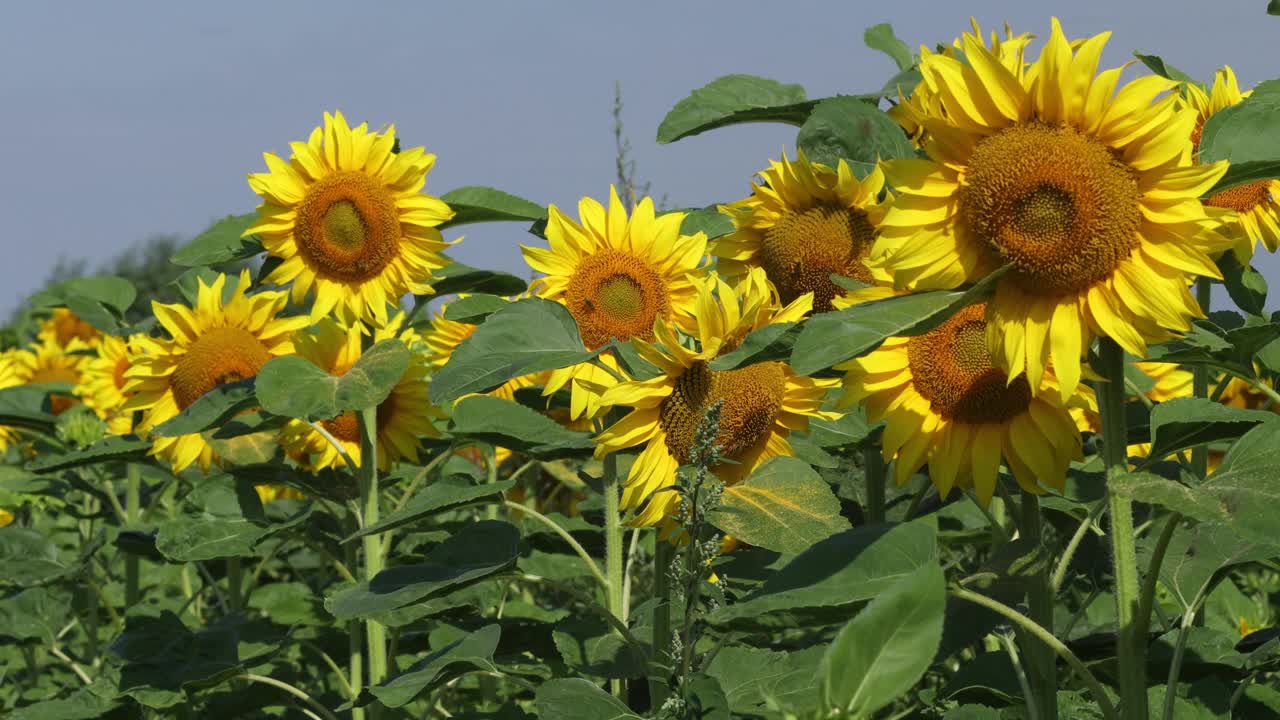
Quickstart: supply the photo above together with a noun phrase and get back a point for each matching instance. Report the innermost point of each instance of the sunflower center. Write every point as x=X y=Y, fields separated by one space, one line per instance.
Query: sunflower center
x=805 y=248
x=614 y=294
x=117 y=373
x=221 y=355
x=951 y=368
x=752 y=398
x=58 y=403
x=348 y=228
x=1056 y=204
x=1243 y=198
x=68 y=325
x=345 y=427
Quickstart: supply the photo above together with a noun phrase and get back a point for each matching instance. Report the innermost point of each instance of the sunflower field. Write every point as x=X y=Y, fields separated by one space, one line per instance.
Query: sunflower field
x=933 y=421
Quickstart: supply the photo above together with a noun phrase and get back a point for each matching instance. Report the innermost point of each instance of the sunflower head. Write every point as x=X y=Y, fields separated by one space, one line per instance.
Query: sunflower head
x=213 y=343
x=63 y=326
x=803 y=223
x=348 y=218
x=47 y=361
x=103 y=380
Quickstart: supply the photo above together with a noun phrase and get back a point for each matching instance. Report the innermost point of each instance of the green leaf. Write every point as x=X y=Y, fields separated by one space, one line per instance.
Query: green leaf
x=109 y=449
x=449 y=493
x=1273 y=7
x=24 y=407
x=1186 y=422
x=707 y=699
x=855 y=130
x=195 y=538
x=590 y=646
x=888 y=647
x=479 y=550
x=849 y=430
x=880 y=37
x=161 y=652
x=1194 y=555
x=1246 y=132
x=290 y=603
x=1157 y=65
x=473 y=204
x=83 y=704
x=511 y=425
x=524 y=337
x=473 y=309
x=1243 y=173
x=784 y=505
x=1246 y=286
x=293 y=387
x=845 y=569
x=34 y=614
x=28 y=558
x=756 y=680
x=101 y=301
x=472 y=652
x=707 y=220
x=222 y=242
x=734 y=99
x=458 y=278
x=213 y=409
x=578 y=699
x=771 y=342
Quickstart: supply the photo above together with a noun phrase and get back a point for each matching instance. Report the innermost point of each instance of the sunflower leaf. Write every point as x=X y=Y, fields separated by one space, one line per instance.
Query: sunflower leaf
x=708 y=220
x=512 y=425
x=100 y=301
x=1243 y=173
x=211 y=410
x=459 y=278
x=852 y=129
x=444 y=495
x=771 y=342
x=735 y=99
x=108 y=449
x=784 y=506
x=1247 y=132
x=881 y=37
x=1157 y=65
x=473 y=309
x=221 y=242
x=1246 y=286
x=579 y=699
x=294 y=387
x=471 y=652
x=475 y=203
x=1181 y=423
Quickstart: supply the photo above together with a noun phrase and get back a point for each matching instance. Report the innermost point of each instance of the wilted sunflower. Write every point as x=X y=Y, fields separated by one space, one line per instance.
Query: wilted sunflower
x=403 y=418
x=63 y=326
x=804 y=223
x=347 y=216
x=617 y=276
x=947 y=405
x=762 y=403
x=103 y=380
x=1256 y=204
x=47 y=361
x=1086 y=193
x=213 y=343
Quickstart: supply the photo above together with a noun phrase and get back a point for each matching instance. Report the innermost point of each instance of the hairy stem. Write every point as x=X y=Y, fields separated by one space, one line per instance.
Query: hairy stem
x=373 y=558
x=1040 y=661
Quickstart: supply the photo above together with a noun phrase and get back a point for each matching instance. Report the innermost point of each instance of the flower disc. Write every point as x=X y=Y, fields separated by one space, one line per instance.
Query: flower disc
x=953 y=371
x=220 y=356
x=805 y=248
x=751 y=400
x=348 y=228
x=614 y=294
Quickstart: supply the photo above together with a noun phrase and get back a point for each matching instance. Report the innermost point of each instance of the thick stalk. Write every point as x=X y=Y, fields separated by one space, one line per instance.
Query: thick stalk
x=1200 y=381
x=1131 y=649
x=662 y=556
x=133 y=516
x=1040 y=660
x=355 y=647
x=613 y=541
x=376 y=633
x=875 y=469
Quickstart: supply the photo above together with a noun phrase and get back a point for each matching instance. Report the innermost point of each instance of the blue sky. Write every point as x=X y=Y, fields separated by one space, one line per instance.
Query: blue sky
x=127 y=119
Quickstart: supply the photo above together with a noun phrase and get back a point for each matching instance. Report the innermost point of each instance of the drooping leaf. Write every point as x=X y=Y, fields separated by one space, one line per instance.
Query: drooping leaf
x=578 y=699
x=475 y=203
x=783 y=505
x=443 y=495
x=1185 y=422
x=511 y=425
x=472 y=652
x=222 y=242
x=112 y=448
x=523 y=337
x=881 y=37
x=293 y=387
x=855 y=130
x=210 y=410
x=888 y=646
x=734 y=99
x=1246 y=286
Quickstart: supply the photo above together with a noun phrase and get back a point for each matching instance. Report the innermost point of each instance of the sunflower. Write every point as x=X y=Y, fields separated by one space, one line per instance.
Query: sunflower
x=272 y=493
x=1256 y=205
x=47 y=361
x=762 y=403
x=617 y=276
x=8 y=379
x=403 y=417
x=1089 y=197
x=6 y=517
x=803 y=223
x=347 y=218
x=946 y=404
x=214 y=342
x=103 y=380
x=63 y=326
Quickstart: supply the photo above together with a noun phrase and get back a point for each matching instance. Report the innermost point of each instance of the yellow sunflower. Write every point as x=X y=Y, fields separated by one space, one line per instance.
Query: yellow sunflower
x=103 y=380
x=347 y=217
x=803 y=223
x=617 y=276
x=1087 y=193
x=762 y=403
x=403 y=418
x=8 y=379
x=6 y=517
x=1256 y=204
x=63 y=325
x=47 y=361
x=947 y=405
x=213 y=343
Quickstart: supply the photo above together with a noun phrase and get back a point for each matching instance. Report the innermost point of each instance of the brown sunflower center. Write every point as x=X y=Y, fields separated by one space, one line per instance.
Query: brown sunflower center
x=117 y=373
x=345 y=427
x=804 y=249
x=1055 y=203
x=752 y=398
x=68 y=325
x=614 y=294
x=221 y=355
x=1243 y=198
x=951 y=368
x=58 y=403
x=348 y=228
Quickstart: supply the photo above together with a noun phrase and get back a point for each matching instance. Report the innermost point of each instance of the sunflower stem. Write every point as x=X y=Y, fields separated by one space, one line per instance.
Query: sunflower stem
x=1131 y=649
x=376 y=633
x=613 y=542
x=659 y=689
x=133 y=517
x=874 y=467
x=355 y=647
x=1040 y=660
x=1200 y=380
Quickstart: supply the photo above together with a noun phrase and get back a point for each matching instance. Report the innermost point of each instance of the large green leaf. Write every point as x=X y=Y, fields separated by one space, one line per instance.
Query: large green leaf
x=475 y=203
x=755 y=680
x=855 y=130
x=24 y=406
x=841 y=571
x=210 y=410
x=86 y=703
x=512 y=425
x=34 y=614
x=194 y=538
x=459 y=278
x=1246 y=286
x=1194 y=555
x=294 y=387
x=1245 y=132
x=886 y=649
x=473 y=309
x=449 y=493
x=590 y=646
x=784 y=505
x=734 y=99
x=472 y=652
x=100 y=301
x=161 y=652
x=578 y=699
x=28 y=558
x=708 y=220
x=523 y=337
x=1186 y=422
x=771 y=342
x=479 y=550
x=881 y=37
x=222 y=242
x=1243 y=173
x=109 y=449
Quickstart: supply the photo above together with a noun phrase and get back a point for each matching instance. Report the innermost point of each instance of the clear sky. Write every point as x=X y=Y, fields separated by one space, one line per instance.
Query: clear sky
x=126 y=119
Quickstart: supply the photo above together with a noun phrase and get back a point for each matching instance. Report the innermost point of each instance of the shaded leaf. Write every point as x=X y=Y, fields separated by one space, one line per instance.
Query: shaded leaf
x=734 y=99
x=293 y=387
x=783 y=505
x=34 y=614
x=590 y=646
x=446 y=494
x=578 y=699
x=1246 y=286
x=1185 y=422
x=109 y=449
x=212 y=409
x=28 y=558
x=459 y=278
x=771 y=342
x=472 y=652
x=755 y=680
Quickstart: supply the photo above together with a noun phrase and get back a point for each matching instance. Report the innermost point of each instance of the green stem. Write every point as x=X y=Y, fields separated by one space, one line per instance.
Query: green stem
x=613 y=542
x=1147 y=601
x=1032 y=696
x=874 y=467
x=375 y=632
x=1039 y=658
x=564 y=535
x=355 y=648
x=1131 y=648
x=235 y=584
x=1064 y=562
x=662 y=557
x=1175 y=664
x=310 y=701
x=133 y=516
x=1200 y=382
